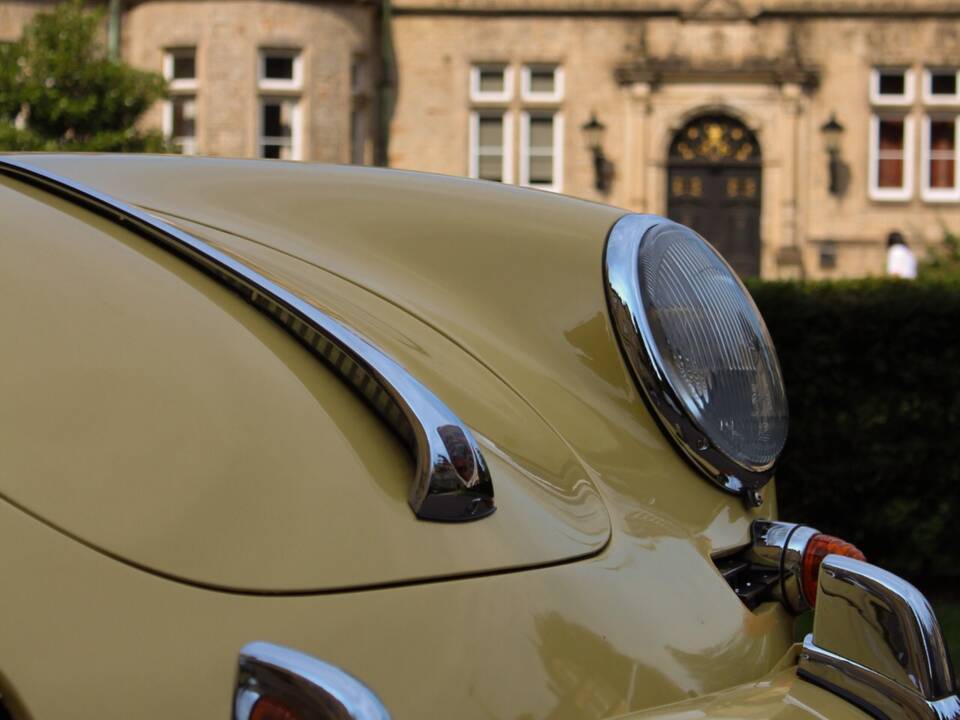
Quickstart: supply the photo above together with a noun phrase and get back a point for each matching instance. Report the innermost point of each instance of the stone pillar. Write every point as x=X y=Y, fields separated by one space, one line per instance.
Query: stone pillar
x=637 y=148
x=788 y=257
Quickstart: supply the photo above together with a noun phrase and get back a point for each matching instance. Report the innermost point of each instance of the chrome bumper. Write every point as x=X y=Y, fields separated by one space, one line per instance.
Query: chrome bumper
x=877 y=643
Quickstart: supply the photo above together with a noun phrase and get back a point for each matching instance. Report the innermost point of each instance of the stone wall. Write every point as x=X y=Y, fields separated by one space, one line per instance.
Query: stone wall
x=228 y=35
x=781 y=68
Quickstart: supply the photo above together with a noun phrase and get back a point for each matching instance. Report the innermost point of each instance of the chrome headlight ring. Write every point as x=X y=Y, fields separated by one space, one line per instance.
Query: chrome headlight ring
x=698 y=349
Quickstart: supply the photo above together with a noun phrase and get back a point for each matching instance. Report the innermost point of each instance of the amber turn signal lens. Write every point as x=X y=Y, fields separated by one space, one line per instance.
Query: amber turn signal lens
x=269 y=708
x=817 y=549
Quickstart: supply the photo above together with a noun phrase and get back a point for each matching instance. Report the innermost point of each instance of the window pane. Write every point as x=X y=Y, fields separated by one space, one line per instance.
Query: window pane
x=892 y=82
x=490 y=167
x=891 y=135
x=278 y=67
x=491 y=132
x=891 y=173
x=492 y=80
x=541 y=170
x=943 y=82
x=542 y=80
x=890 y=170
x=942 y=153
x=184 y=116
x=184 y=65
x=541 y=132
x=277 y=118
x=270 y=151
x=942 y=173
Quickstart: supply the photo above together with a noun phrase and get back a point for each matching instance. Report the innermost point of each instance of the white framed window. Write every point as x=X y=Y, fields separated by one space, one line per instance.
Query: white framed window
x=180 y=122
x=279 y=122
x=891 y=157
x=541 y=83
x=280 y=69
x=180 y=109
x=891 y=86
x=278 y=129
x=491 y=145
x=541 y=149
x=941 y=86
x=491 y=82
x=940 y=172
x=180 y=68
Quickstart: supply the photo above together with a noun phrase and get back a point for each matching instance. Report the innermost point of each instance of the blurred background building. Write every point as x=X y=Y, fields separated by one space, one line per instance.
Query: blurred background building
x=291 y=80
x=794 y=134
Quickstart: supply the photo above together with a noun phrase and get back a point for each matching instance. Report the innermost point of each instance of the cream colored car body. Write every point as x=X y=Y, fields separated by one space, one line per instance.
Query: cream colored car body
x=179 y=477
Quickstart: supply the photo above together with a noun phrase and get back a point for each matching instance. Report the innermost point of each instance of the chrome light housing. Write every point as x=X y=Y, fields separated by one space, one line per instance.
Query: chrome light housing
x=698 y=349
x=277 y=683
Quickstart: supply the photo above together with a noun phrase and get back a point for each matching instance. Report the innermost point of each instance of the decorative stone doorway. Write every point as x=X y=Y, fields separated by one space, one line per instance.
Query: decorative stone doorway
x=713 y=186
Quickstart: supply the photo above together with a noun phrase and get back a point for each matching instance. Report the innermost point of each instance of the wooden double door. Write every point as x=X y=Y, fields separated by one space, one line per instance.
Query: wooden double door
x=713 y=186
x=722 y=203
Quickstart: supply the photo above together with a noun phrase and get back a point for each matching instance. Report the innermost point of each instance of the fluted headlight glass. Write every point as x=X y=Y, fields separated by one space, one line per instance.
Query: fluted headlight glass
x=699 y=347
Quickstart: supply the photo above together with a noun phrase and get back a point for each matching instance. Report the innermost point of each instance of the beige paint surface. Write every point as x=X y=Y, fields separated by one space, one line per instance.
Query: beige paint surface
x=208 y=417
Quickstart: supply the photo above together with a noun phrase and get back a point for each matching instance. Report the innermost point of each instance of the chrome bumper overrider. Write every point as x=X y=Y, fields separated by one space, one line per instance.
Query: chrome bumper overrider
x=877 y=643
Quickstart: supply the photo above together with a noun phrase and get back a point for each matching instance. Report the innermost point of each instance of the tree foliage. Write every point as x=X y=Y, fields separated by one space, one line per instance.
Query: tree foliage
x=943 y=261
x=60 y=91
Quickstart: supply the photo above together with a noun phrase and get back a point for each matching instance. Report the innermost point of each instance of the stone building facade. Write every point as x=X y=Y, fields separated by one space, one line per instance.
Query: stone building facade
x=714 y=113
x=710 y=111
x=260 y=78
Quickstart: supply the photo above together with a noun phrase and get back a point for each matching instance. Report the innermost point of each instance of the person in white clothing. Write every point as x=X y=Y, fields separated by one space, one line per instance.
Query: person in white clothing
x=901 y=262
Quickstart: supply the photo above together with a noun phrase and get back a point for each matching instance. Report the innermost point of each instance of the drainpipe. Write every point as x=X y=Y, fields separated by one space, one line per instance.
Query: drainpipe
x=113 y=30
x=386 y=90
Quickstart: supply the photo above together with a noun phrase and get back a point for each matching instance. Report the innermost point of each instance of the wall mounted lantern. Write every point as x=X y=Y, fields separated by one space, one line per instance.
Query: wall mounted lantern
x=832 y=133
x=593 y=132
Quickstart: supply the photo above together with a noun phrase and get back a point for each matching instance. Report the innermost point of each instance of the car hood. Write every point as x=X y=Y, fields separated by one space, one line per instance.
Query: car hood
x=491 y=296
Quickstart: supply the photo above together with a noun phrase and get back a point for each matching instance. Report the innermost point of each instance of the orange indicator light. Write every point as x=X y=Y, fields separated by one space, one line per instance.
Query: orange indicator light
x=269 y=708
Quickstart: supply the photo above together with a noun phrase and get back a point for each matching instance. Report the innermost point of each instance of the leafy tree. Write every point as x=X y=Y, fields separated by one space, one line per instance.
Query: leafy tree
x=942 y=262
x=60 y=91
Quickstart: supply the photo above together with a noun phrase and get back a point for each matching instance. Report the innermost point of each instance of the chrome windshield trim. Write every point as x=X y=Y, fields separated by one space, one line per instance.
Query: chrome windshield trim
x=452 y=481
x=309 y=686
x=639 y=347
x=877 y=643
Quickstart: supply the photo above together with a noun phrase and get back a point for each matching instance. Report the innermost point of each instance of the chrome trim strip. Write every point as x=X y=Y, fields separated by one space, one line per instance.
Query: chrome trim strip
x=779 y=546
x=877 y=643
x=313 y=688
x=639 y=347
x=452 y=480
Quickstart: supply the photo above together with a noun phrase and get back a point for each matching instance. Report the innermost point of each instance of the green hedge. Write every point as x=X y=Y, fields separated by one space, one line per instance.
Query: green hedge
x=872 y=369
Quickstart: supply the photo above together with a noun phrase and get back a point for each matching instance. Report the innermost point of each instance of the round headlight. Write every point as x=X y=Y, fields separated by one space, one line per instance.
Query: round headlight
x=699 y=349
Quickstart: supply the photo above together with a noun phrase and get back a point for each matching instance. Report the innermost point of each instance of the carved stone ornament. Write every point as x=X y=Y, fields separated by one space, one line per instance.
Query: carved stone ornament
x=717 y=10
x=715 y=139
